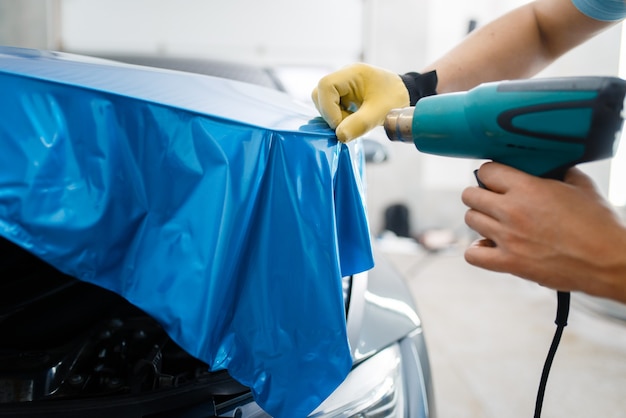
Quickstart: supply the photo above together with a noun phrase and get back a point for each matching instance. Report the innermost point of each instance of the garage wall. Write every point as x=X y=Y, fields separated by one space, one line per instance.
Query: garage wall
x=258 y=31
x=29 y=23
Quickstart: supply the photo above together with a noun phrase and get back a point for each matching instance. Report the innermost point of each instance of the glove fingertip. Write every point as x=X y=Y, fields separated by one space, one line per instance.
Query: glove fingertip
x=344 y=133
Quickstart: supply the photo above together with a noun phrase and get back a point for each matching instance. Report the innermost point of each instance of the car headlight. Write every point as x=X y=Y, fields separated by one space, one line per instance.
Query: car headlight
x=373 y=389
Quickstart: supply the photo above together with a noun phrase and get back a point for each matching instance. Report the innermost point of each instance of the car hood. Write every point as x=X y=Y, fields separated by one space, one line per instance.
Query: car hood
x=225 y=210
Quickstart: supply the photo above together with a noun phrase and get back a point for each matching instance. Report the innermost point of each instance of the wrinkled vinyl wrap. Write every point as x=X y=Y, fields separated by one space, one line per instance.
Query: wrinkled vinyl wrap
x=226 y=211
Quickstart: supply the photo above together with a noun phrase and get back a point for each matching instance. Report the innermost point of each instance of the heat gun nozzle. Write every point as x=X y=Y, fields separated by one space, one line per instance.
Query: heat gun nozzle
x=399 y=124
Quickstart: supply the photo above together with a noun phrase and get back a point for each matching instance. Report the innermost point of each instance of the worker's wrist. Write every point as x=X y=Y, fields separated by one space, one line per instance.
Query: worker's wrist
x=420 y=85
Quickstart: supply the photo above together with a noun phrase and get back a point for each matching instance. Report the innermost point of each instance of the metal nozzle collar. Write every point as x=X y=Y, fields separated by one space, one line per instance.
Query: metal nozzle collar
x=399 y=124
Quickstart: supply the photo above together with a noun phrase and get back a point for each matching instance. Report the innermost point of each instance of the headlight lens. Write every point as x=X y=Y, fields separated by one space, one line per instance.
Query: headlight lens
x=374 y=389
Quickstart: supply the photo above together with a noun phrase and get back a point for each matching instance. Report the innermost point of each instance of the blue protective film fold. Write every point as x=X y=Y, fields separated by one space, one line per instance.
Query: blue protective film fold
x=226 y=211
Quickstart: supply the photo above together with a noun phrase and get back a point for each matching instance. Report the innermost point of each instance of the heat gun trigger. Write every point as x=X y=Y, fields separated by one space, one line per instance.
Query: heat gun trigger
x=480 y=183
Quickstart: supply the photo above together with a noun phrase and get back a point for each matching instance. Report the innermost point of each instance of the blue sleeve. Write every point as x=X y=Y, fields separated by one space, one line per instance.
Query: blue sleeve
x=606 y=10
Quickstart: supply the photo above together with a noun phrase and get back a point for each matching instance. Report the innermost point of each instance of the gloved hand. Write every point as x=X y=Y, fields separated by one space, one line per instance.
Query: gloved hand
x=356 y=99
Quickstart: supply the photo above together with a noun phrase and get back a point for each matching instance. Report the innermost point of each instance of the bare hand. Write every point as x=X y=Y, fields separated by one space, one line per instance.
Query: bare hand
x=562 y=235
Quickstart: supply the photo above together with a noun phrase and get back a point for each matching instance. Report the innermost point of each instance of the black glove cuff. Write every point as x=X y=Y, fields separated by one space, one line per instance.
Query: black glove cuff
x=420 y=85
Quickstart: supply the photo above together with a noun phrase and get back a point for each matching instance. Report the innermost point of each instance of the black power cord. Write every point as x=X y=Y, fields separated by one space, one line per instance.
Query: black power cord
x=562 y=312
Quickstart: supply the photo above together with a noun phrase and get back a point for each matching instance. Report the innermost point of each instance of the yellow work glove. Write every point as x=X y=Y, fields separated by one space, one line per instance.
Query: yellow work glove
x=356 y=99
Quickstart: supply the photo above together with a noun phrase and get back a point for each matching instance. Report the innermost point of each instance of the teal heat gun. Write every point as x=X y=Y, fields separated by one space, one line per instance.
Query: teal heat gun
x=540 y=126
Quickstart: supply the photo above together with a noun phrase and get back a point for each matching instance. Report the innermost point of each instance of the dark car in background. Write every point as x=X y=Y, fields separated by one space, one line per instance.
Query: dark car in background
x=72 y=349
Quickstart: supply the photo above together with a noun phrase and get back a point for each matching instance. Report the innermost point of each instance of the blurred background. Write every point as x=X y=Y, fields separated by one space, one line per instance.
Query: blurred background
x=305 y=40
x=487 y=336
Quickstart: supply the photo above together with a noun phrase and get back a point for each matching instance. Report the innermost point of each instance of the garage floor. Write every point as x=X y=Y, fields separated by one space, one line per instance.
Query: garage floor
x=488 y=335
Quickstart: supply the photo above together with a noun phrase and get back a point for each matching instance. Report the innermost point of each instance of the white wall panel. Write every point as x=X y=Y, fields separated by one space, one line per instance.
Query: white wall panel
x=261 y=31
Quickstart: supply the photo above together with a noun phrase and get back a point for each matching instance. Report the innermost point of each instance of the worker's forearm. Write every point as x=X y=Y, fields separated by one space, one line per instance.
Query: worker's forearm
x=506 y=48
x=517 y=45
